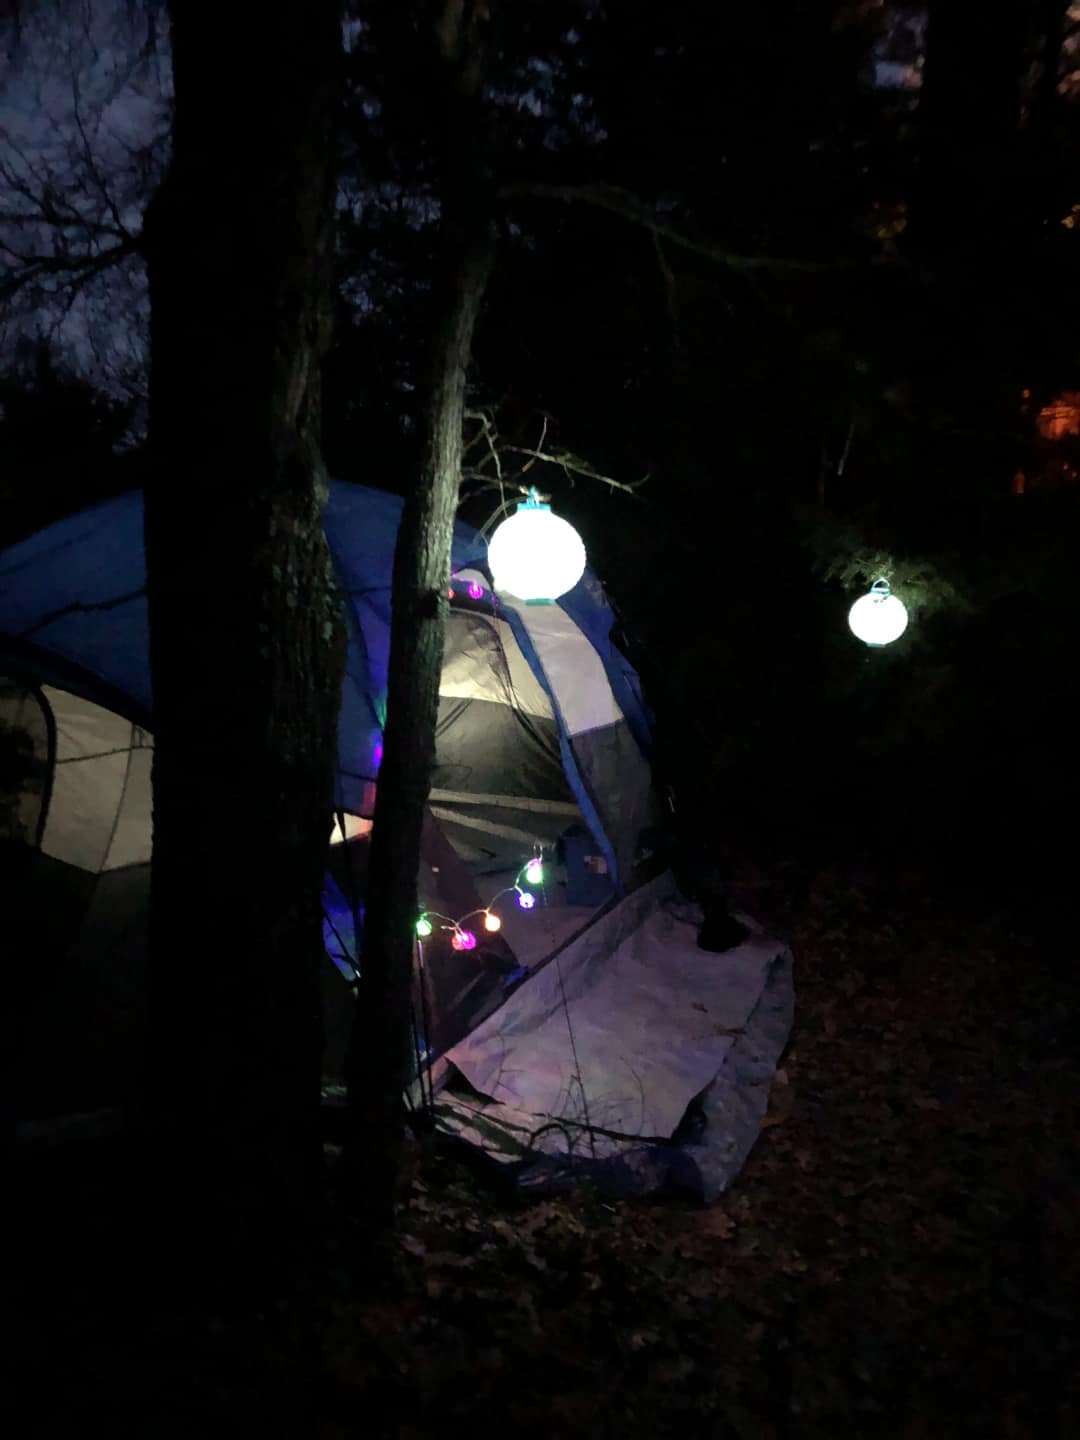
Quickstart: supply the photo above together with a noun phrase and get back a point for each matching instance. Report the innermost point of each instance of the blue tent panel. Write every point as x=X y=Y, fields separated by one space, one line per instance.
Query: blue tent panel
x=77 y=592
x=74 y=597
x=588 y=607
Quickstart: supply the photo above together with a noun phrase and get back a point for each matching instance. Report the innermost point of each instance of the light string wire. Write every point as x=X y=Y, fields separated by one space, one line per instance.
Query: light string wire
x=425 y=1059
x=458 y=925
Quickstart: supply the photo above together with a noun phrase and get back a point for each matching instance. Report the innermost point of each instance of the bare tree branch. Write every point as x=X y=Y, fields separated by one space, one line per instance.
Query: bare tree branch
x=91 y=164
x=488 y=472
x=671 y=297
x=628 y=207
x=71 y=271
x=83 y=139
x=573 y=465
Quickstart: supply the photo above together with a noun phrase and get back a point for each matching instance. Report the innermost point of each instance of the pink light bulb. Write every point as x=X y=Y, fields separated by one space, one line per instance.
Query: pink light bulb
x=476 y=590
x=463 y=940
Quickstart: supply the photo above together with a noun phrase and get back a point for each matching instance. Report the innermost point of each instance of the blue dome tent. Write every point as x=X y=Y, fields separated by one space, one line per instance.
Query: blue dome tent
x=542 y=745
x=73 y=605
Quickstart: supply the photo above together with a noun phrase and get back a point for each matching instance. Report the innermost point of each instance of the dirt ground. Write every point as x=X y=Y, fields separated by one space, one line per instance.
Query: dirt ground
x=899 y=1257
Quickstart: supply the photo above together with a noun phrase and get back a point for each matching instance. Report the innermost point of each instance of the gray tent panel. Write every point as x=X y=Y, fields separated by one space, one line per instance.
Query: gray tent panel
x=25 y=753
x=495 y=833
x=84 y=1002
x=496 y=733
x=490 y=748
x=99 y=814
x=620 y=782
x=573 y=669
x=498 y=784
x=616 y=776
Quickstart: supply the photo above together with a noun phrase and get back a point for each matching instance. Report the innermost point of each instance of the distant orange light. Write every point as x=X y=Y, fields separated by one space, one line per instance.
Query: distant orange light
x=1061 y=418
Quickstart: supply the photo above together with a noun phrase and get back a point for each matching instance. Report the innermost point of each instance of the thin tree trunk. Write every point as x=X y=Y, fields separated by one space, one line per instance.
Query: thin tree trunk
x=380 y=1051
x=247 y=641
x=1053 y=16
x=969 y=111
x=968 y=222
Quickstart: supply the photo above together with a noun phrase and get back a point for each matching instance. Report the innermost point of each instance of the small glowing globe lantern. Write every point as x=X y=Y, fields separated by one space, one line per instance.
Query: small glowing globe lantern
x=878 y=618
x=535 y=555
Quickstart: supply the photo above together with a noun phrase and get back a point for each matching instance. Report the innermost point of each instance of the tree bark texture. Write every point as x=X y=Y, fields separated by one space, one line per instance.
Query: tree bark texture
x=247 y=641
x=381 y=1049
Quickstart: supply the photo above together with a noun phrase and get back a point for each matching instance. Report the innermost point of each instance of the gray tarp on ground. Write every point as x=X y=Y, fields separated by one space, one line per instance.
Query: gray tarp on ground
x=634 y=1054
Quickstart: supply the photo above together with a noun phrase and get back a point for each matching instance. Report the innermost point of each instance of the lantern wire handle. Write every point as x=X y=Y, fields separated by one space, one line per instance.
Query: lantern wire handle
x=531 y=496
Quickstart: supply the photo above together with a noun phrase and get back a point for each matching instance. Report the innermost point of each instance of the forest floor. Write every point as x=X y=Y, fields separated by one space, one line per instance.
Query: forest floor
x=899 y=1257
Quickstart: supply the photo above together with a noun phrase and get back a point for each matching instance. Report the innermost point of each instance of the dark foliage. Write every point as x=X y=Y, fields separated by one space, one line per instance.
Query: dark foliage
x=63 y=432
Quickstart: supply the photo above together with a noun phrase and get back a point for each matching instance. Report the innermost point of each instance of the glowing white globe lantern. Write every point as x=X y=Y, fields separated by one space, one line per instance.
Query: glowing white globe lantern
x=878 y=618
x=534 y=554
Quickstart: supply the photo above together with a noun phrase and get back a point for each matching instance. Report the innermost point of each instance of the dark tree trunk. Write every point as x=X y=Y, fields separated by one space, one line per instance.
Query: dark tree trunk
x=1053 y=18
x=969 y=113
x=246 y=634
x=971 y=229
x=380 y=1051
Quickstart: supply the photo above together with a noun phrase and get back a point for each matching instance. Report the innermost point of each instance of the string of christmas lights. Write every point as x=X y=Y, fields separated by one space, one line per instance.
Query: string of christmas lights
x=461 y=938
x=473 y=589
